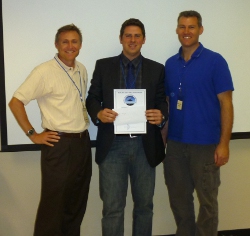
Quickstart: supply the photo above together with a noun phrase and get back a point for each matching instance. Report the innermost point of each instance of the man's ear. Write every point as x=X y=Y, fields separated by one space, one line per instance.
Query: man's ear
x=144 y=40
x=201 y=30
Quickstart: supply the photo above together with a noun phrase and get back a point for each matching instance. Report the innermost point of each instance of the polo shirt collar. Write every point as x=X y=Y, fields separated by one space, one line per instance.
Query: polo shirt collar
x=196 y=53
x=67 y=68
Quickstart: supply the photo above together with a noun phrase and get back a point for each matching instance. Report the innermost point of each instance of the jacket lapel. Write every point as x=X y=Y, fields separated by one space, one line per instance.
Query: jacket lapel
x=115 y=72
x=146 y=78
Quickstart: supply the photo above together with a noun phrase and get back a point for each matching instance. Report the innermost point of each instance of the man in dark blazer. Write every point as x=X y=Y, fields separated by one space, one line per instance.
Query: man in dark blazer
x=123 y=155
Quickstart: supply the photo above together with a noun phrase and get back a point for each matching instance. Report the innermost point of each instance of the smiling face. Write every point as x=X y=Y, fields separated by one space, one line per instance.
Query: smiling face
x=68 y=46
x=188 y=32
x=132 y=41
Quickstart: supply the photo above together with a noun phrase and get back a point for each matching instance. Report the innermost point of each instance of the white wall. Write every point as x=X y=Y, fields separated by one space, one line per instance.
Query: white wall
x=20 y=190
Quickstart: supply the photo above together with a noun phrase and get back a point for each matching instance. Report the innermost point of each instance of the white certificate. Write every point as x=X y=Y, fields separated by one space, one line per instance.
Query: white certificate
x=130 y=104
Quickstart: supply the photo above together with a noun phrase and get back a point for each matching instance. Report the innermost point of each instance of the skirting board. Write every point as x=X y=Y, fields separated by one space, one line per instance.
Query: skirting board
x=236 y=232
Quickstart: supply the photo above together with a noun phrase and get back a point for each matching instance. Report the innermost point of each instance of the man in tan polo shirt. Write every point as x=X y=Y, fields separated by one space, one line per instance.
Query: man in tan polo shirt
x=59 y=86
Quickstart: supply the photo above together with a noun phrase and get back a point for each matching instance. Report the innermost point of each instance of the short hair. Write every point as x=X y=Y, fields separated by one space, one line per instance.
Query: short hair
x=67 y=28
x=134 y=22
x=191 y=14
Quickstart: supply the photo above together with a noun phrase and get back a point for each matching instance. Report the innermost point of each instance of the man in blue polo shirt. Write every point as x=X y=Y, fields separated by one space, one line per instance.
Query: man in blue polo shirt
x=199 y=89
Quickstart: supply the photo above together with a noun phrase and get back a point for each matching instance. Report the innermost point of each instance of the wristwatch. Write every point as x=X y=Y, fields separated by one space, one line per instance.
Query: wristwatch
x=163 y=122
x=30 y=132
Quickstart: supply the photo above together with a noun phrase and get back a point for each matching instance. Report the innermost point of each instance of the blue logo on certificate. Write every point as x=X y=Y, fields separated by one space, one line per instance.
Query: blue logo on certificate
x=130 y=100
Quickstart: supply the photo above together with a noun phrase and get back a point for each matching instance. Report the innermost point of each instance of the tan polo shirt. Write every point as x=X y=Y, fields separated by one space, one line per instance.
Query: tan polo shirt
x=57 y=96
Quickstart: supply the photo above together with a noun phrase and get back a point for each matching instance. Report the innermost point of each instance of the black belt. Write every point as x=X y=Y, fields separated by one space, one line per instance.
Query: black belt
x=70 y=135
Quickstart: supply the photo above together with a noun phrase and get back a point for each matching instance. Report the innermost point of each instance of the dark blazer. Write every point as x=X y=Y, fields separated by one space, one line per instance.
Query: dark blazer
x=106 y=77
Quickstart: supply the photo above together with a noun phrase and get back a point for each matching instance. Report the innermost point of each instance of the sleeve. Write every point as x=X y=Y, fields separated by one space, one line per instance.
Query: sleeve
x=166 y=79
x=32 y=88
x=222 y=77
x=95 y=96
x=161 y=96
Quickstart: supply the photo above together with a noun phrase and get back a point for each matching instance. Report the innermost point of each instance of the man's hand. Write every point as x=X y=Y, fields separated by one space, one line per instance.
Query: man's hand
x=45 y=137
x=107 y=115
x=221 y=155
x=154 y=116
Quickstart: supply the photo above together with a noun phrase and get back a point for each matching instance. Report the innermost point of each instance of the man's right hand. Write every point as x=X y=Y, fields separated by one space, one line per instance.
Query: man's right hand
x=107 y=115
x=45 y=137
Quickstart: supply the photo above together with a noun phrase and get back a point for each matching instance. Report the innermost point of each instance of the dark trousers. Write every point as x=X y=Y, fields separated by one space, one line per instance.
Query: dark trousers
x=66 y=173
x=189 y=167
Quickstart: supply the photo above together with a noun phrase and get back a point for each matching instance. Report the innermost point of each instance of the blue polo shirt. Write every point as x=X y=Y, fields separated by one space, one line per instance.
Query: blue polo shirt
x=196 y=83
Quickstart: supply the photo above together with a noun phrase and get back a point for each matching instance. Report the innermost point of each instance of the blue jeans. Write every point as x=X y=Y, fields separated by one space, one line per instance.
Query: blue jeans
x=126 y=158
x=189 y=167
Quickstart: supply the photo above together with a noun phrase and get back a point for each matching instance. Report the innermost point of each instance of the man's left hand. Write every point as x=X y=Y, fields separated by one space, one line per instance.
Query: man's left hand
x=221 y=155
x=154 y=116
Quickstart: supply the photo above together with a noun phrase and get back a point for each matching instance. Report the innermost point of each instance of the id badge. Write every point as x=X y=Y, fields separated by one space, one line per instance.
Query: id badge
x=179 y=104
x=85 y=113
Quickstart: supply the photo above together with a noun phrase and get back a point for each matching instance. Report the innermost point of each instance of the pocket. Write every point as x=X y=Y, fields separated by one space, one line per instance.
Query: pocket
x=50 y=153
x=211 y=177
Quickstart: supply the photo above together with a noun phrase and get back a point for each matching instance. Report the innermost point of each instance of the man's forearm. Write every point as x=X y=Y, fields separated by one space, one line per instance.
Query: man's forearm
x=19 y=112
x=226 y=120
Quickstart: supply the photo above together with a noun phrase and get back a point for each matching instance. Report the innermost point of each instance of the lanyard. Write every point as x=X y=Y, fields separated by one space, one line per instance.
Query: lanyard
x=123 y=72
x=80 y=92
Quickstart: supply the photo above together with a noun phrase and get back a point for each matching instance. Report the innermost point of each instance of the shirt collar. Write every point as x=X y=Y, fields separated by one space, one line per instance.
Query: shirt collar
x=67 y=68
x=196 y=53
x=135 y=61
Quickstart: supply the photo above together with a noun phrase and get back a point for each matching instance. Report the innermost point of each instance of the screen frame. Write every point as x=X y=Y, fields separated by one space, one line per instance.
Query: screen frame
x=3 y=118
